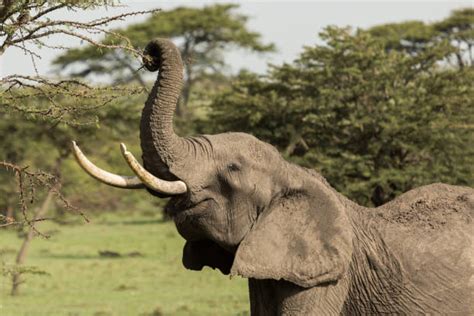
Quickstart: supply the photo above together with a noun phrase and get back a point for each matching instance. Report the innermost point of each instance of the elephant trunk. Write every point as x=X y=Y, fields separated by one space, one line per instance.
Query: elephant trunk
x=161 y=147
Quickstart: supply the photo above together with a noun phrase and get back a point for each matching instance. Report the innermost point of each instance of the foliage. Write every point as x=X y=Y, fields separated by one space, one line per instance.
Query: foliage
x=9 y=270
x=416 y=36
x=375 y=122
x=203 y=33
x=411 y=36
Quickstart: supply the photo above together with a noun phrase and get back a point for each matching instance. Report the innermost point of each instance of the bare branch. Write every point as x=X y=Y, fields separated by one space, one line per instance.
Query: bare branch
x=27 y=181
x=65 y=97
x=69 y=101
x=48 y=10
x=51 y=27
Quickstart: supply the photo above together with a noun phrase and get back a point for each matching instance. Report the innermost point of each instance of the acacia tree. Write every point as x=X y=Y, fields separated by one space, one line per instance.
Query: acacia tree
x=27 y=25
x=375 y=122
x=51 y=109
x=203 y=34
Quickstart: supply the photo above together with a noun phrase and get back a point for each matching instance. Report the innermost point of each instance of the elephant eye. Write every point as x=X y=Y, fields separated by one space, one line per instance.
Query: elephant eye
x=233 y=167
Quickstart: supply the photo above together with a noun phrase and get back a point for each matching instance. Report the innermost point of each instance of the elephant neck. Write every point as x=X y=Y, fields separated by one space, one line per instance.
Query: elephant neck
x=375 y=272
x=278 y=297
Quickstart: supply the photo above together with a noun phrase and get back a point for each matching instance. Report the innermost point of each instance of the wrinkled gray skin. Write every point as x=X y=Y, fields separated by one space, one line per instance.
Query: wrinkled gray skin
x=305 y=248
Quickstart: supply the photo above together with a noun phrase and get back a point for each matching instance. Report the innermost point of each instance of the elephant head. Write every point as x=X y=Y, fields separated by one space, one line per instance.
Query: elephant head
x=240 y=206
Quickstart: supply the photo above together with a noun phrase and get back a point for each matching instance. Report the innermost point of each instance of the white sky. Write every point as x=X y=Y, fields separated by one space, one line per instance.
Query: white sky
x=288 y=24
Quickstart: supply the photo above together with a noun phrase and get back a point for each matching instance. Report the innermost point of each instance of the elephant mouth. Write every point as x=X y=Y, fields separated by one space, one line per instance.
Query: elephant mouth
x=197 y=254
x=191 y=220
x=179 y=212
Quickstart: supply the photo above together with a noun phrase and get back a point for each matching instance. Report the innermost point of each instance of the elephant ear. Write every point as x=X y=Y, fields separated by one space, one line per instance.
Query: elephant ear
x=304 y=237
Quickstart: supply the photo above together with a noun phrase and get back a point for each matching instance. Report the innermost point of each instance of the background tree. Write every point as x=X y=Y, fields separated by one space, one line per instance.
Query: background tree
x=409 y=36
x=416 y=36
x=458 y=29
x=203 y=35
x=375 y=122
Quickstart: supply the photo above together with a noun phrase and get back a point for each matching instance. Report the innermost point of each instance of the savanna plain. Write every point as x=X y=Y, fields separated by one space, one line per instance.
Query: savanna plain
x=115 y=265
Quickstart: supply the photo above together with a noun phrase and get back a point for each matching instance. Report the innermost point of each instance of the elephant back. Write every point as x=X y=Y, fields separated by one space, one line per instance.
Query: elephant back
x=430 y=233
x=430 y=208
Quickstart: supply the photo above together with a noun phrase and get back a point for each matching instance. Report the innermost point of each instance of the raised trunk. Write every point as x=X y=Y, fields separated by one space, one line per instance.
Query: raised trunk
x=161 y=147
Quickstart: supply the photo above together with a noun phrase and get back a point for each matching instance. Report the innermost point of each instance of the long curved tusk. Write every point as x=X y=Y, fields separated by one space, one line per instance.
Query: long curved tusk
x=152 y=182
x=125 y=182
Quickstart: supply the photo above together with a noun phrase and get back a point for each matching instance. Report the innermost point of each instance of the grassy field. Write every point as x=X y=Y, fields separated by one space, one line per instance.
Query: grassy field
x=147 y=279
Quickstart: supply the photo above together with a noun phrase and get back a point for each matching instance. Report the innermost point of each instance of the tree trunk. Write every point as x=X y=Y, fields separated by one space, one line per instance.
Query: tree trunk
x=460 y=60
x=10 y=212
x=295 y=139
x=22 y=253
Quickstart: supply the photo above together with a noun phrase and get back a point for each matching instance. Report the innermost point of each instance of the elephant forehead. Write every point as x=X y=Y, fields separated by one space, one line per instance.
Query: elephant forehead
x=241 y=145
x=261 y=150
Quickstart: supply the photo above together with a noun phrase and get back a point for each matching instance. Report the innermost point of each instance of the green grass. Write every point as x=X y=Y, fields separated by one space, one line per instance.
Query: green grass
x=81 y=282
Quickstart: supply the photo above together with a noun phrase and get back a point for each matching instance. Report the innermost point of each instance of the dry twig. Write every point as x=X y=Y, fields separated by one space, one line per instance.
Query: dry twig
x=27 y=182
x=27 y=25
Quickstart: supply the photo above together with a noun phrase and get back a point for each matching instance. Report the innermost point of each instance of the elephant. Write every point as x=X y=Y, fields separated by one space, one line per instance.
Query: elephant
x=304 y=248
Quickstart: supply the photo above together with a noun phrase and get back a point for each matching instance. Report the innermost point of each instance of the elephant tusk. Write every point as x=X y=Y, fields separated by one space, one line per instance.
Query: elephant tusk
x=152 y=182
x=125 y=182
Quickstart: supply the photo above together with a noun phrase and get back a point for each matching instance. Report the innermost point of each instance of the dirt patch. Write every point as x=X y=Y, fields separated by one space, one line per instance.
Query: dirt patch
x=432 y=207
